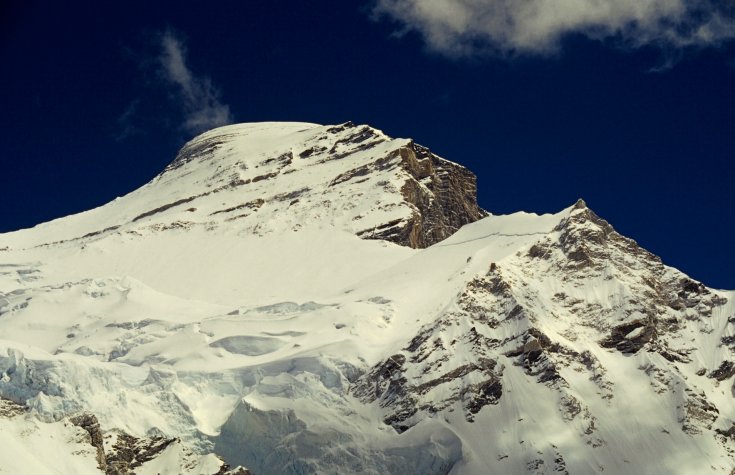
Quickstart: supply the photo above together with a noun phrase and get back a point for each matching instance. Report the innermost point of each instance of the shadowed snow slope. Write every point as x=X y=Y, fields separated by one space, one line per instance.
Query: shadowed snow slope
x=300 y=298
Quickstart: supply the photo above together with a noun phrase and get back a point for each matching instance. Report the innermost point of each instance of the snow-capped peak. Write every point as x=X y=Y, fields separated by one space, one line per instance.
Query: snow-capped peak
x=277 y=177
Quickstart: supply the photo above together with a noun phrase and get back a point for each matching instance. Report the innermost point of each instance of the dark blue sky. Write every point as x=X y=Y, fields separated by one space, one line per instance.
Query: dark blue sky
x=88 y=114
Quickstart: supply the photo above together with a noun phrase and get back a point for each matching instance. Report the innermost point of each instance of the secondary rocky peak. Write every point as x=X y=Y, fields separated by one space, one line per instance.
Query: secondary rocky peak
x=534 y=312
x=580 y=204
x=584 y=236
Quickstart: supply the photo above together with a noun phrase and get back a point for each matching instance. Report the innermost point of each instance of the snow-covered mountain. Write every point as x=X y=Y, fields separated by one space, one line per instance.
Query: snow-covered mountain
x=296 y=298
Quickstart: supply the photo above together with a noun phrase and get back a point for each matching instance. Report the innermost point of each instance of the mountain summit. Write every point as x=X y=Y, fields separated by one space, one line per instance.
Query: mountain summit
x=275 y=177
x=352 y=177
x=297 y=298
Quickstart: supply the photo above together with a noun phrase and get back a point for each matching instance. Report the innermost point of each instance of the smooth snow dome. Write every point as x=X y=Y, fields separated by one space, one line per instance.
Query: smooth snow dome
x=232 y=264
x=231 y=304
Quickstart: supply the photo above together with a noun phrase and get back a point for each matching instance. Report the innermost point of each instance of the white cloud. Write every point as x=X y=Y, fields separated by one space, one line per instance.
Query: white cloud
x=200 y=99
x=125 y=122
x=466 y=27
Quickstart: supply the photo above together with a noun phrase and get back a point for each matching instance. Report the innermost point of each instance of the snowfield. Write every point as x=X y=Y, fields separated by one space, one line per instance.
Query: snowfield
x=258 y=301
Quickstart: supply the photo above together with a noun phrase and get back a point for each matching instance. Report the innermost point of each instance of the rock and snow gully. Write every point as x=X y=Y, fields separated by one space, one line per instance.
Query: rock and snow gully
x=297 y=298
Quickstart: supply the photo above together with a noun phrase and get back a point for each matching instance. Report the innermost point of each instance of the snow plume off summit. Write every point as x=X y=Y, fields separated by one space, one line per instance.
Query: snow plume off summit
x=297 y=298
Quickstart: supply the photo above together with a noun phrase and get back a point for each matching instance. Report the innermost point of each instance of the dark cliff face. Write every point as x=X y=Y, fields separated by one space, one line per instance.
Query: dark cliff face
x=443 y=196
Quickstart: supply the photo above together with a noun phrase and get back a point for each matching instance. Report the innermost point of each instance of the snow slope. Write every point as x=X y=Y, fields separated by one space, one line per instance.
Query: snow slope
x=262 y=299
x=23 y=438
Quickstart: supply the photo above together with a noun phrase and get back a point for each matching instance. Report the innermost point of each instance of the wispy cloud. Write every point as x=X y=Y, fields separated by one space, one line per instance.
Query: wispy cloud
x=199 y=98
x=125 y=125
x=512 y=27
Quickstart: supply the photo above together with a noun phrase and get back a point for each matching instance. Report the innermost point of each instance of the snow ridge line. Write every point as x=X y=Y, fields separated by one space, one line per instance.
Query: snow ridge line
x=540 y=233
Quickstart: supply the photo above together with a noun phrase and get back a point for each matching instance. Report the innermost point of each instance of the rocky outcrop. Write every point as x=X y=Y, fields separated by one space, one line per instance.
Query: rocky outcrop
x=10 y=409
x=239 y=470
x=726 y=370
x=128 y=452
x=442 y=194
x=436 y=372
x=90 y=423
x=119 y=453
